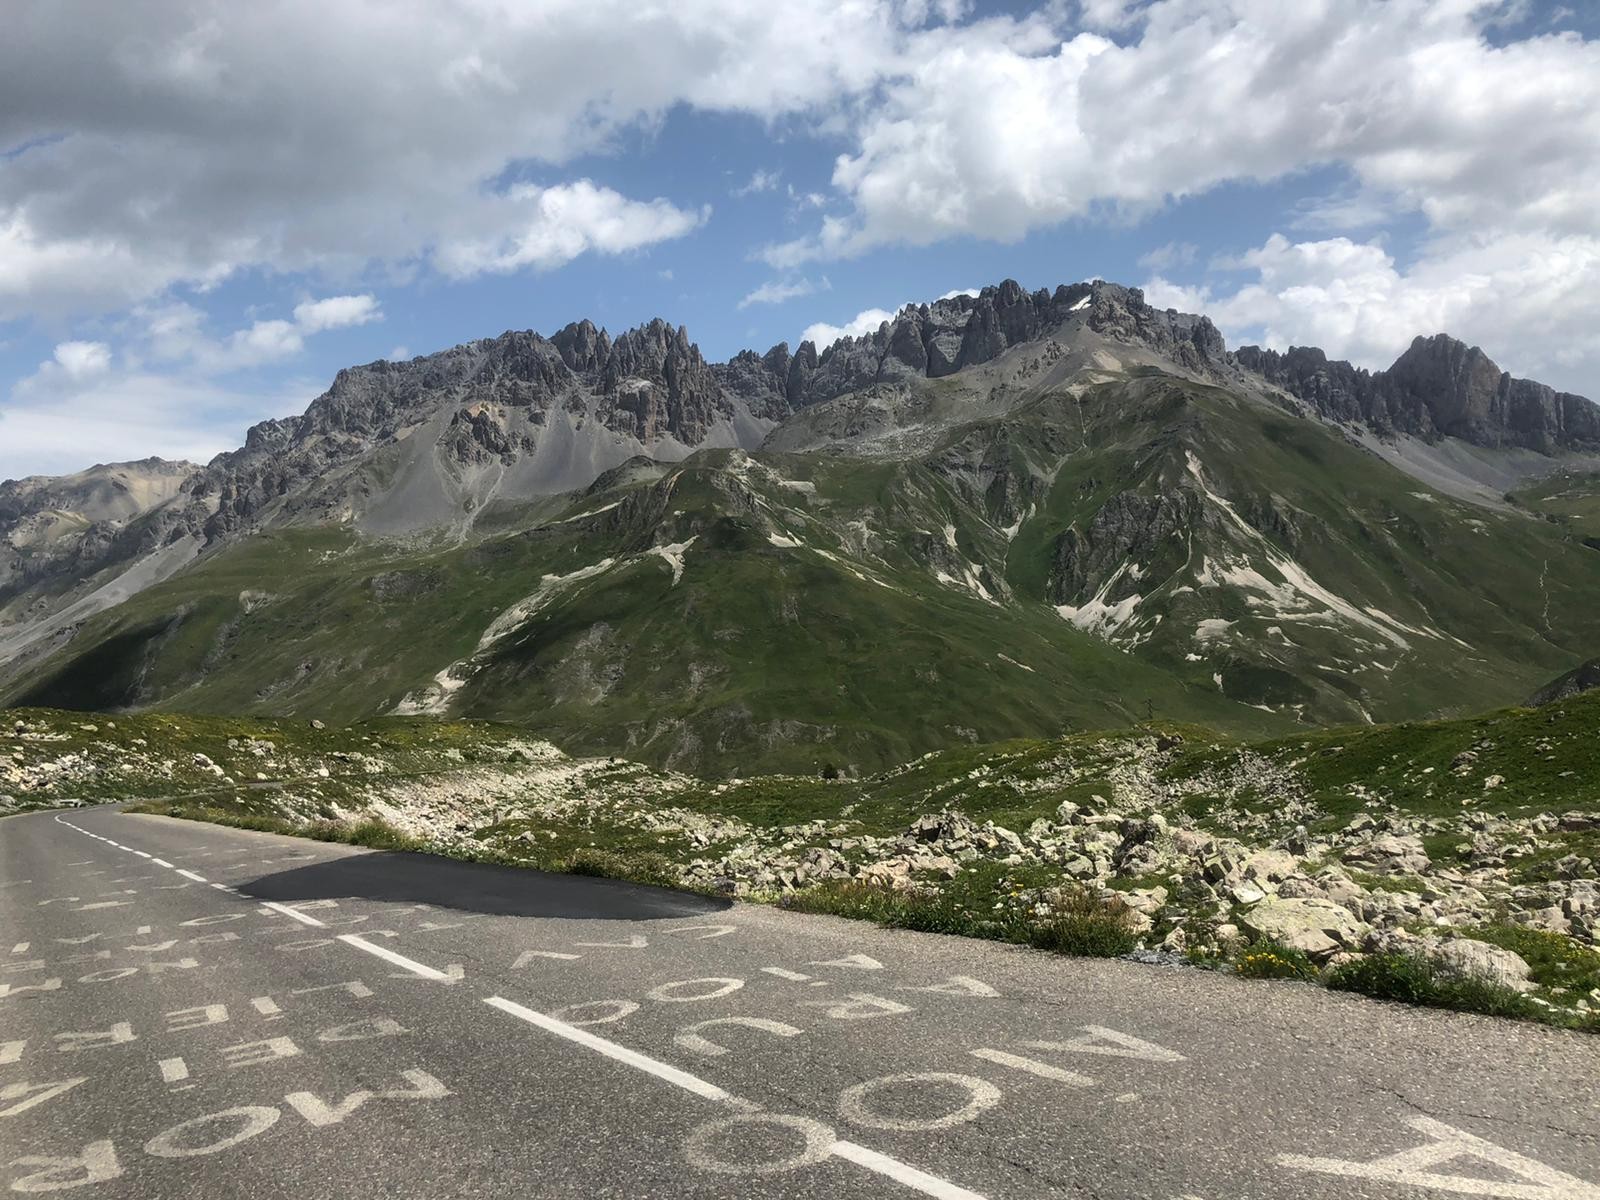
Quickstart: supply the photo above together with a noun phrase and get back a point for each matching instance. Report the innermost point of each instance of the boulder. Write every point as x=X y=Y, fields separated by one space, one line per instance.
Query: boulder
x=1269 y=866
x=1391 y=854
x=1319 y=928
x=1247 y=892
x=1470 y=959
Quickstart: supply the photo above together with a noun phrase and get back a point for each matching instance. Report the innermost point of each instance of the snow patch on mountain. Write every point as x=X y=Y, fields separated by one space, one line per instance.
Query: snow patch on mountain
x=673 y=556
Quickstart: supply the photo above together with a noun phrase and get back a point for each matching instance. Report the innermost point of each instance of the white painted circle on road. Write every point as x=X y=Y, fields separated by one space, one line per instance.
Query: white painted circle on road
x=818 y=1139
x=667 y=992
x=612 y=1010
x=854 y=1106
x=252 y=1120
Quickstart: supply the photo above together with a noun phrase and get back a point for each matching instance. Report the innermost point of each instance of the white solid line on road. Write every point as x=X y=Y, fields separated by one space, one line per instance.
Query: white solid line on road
x=173 y=1070
x=399 y=960
x=643 y=1062
x=291 y=912
x=893 y=1168
x=193 y=876
x=1032 y=1066
x=161 y=862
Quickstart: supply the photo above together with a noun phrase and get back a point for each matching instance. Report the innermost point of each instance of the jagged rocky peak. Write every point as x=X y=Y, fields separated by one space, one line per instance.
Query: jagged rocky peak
x=949 y=335
x=652 y=380
x=763 y=380
x=1440 y=387
x=584 y=348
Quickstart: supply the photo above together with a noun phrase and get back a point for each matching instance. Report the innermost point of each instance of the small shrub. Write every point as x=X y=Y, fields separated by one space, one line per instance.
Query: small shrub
x=1083 y=923
x=830 y=772
x=645 y=867
x=1410 y=979
x=379 y=835
x=1554 y=960
x=1268 y=960
x=1079 y=923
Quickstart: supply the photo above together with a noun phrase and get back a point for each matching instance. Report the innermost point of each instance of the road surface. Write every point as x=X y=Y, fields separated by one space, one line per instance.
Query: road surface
x=195 y=1011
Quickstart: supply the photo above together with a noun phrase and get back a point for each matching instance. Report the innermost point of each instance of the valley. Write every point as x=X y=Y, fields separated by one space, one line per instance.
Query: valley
x=1016 y=514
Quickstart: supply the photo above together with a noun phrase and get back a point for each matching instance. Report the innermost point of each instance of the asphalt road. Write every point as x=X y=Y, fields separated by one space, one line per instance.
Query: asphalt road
x=193 y=1011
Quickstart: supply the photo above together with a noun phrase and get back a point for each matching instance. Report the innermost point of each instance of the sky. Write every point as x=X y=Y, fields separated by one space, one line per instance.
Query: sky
x=208 y=208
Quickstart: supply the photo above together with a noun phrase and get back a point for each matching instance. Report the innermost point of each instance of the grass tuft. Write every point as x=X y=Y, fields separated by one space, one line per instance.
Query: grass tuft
x=635 y=867
x=1268 y=960
x=1083 y=923
x=1554 y=961
x=1411 y=979
x=1079 y=921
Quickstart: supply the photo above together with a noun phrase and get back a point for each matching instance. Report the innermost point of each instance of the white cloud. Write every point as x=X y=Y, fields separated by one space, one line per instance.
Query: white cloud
x=1345 y=211
x=1108 y=14
x=555 y=225
x=56 y=424
x=262 y=342
x=1006 y=127
x=1172 y=254
x=1526 y=299
x=776 y=291
x=179 y=144
x=336 y=312
x=800 y=200
x=163 y=396
x=175 y=332
x=70 y=366
x=823 y=335
x=82 y=360
x=761 y=181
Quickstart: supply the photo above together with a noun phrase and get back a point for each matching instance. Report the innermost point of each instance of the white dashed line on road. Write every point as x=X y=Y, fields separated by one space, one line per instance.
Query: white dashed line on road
x=641 y=1062
x=893 y=1168
x=292 y=912
x=193 y=876
x=399 y=960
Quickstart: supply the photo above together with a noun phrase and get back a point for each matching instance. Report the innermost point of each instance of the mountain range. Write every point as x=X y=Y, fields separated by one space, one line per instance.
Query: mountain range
x=1001 y=514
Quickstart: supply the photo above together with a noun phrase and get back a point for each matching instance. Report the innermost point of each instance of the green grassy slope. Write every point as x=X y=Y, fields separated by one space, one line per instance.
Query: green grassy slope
x=1436 y=606
x=1568 y=500
x=737 y=614
x=759 y=657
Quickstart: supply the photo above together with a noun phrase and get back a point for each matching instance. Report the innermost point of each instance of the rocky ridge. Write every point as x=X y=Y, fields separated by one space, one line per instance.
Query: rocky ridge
x=1439 y=387
x=402 y=447
x=1584 y=678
